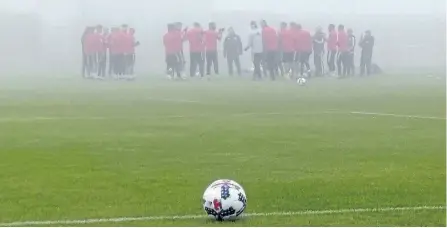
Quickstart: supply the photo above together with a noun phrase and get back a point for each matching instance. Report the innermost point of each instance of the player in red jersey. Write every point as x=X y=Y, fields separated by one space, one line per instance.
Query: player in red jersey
x=102 y=51
x=90 y=45
x=172 y=42
x=305 y=49
x=121 y=43
x=287 y=48
x=271 y=46
x=113 y=45
x=211 y=38
x=196 y=48
x=343 y=51
x=331 y=48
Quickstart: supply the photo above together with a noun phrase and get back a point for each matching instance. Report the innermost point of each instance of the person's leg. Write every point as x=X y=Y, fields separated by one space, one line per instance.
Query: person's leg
x=201 y=59
x=339 y=64
x=368 y=64
x=238 y=65
x=209 y=62
x=216 y=63
x=230 y=65
x=317 y=64
x=257 y=58
x=192 y=64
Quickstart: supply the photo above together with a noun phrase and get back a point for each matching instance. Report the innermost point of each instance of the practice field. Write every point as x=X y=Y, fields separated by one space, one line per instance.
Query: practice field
x=367 y=151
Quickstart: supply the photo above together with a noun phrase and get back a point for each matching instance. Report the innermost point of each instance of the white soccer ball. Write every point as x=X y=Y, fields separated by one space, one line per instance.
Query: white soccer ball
x=224 y=200
x=301 y=81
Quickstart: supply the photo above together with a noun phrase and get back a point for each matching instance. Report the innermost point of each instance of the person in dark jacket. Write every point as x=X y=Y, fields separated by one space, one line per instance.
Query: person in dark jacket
x=367 y=45
x=232 y=51
x=318 y=47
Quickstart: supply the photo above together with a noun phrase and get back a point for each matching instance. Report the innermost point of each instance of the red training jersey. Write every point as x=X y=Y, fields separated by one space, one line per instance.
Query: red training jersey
x=171 y=41
x=195 y=38
x=210 y=40
x=332 y=41
x=90 y=43
x=112 y=41
x=270 y=39
x=128 y=43
x=287 y=40
x=305 y=41
x=343 y=43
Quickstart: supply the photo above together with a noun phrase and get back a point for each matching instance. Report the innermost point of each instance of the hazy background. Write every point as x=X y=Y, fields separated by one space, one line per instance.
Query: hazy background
x=43 y=36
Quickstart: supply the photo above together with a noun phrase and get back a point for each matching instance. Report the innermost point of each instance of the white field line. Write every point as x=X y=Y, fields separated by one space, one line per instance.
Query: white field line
x=174 y=100
x=398 y=115
x=190 y=217
x=48 y=118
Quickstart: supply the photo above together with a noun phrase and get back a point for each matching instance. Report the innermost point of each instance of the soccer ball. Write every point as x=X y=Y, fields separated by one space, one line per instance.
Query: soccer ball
x=301 y=81
x=224 y=200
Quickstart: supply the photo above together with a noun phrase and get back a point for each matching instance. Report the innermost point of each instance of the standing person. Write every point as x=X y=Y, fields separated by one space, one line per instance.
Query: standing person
x=367 y=45
x=84 y=55
x=128 y=46
x=287 y=48
x=88 y=42
x=195 y=39
x=350 y=56
x=182 y=33
x=172 y=50
x=297 y=46
x=121 y=43
x=232 y=49
x=343 y=51
x=211 y=38
x=271 y=45
x=97 y=45
x=132 y=56
x=332 y=49
x=257 y=49
x=305 y=40
x=112 y=42
x=318 y=47
x=103 y=53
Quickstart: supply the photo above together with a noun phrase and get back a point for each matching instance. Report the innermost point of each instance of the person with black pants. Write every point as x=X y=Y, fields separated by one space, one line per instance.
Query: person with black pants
x=318 y=48
x=232 y=50
x=211 y=38
x=196 y=48
x=367 y=45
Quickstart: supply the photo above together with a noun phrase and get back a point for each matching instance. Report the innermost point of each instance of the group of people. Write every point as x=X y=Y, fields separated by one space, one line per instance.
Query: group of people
x=107 y=52
x=285 y=52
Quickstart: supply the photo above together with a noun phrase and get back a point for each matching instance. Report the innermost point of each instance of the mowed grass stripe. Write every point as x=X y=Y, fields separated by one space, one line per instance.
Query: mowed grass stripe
x=187 y=217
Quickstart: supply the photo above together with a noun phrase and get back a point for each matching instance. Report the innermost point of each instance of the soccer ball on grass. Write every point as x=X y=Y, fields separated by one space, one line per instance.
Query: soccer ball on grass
x=224 y=200
x=301 y=81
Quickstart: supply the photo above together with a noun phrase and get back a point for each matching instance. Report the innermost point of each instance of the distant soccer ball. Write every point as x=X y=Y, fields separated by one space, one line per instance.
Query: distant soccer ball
x=301 y=81
x=224 y=200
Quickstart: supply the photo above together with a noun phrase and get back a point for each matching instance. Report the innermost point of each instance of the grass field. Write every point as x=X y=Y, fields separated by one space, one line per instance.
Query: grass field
x=73 y=150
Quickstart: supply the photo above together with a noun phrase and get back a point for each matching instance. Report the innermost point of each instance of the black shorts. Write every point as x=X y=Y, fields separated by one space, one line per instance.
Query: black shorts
x=173 y=59
x=304 y=56
x=287 y=57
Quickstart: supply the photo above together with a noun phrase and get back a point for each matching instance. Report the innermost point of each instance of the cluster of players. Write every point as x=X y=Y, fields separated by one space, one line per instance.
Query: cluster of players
x=107 y=52
x=285 y=52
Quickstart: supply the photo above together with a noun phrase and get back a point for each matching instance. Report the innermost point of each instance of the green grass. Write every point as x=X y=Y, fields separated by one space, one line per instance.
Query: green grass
x=72 y=149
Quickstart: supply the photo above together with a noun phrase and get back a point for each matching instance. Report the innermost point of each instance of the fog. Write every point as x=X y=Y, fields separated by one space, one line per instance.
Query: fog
x=43 y=36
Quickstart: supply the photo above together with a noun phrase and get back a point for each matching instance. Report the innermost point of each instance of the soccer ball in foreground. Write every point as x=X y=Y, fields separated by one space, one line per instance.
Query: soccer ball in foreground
x=301 y=81
x=224 y=200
